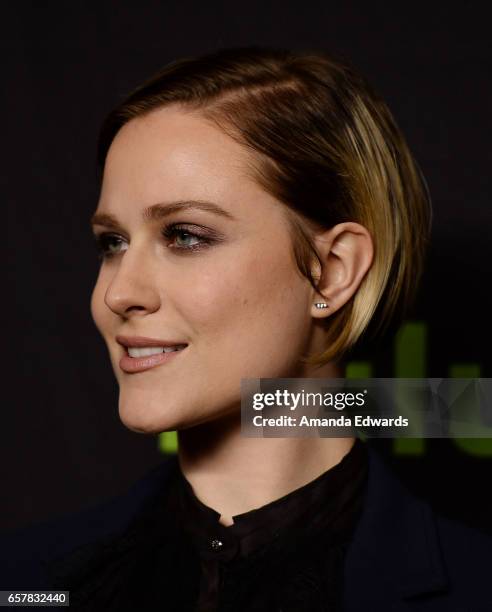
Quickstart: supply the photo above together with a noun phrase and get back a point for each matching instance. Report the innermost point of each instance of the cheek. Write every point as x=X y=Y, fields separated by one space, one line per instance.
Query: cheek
x=256 y=305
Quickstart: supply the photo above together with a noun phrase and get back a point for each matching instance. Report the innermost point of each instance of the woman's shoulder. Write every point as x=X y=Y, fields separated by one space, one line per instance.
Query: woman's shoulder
x=26 y=551
x=405 y=554
x=466 y=551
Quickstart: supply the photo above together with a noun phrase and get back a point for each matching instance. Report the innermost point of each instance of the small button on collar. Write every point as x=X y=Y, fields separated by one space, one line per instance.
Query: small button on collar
x=216 y=544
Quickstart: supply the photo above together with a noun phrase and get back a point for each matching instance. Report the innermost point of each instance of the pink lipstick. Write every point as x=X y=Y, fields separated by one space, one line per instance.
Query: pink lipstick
x=143 y=353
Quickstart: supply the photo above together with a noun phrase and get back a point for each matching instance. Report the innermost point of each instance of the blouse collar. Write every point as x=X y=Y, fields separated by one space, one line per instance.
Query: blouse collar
x=319 y=505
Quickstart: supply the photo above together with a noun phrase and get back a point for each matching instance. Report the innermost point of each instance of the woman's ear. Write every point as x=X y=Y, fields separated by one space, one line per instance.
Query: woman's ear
x=346 y=252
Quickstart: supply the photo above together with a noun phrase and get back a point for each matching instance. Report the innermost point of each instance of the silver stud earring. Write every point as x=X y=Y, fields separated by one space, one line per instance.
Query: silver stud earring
x=321 y=305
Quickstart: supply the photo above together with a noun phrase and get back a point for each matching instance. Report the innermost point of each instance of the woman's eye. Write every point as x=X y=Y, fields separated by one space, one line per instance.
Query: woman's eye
x=181 y=238
x=109 y=245
x=186 y=239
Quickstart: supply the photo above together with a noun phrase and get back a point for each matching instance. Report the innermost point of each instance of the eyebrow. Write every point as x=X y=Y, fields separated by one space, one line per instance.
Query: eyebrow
x=159 y=211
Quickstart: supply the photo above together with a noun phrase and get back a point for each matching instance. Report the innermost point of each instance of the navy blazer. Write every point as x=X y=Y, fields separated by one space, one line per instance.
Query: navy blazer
x=403 y=557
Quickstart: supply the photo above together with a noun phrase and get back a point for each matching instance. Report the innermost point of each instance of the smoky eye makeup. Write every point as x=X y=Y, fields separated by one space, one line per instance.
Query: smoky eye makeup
x=180 y=237
x=188 y=237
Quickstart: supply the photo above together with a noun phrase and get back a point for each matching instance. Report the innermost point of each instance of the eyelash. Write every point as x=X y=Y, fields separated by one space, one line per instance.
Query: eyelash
x=168 y=232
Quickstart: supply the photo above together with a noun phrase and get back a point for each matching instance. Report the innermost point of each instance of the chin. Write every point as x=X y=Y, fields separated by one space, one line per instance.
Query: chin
x=147 y=416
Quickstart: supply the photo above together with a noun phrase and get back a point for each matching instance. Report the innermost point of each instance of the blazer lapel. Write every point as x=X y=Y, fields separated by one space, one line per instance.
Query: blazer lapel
x=101 y=542
x=394 y=554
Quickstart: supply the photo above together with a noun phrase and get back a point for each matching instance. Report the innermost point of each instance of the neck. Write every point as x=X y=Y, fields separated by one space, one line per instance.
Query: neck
x=234 y=474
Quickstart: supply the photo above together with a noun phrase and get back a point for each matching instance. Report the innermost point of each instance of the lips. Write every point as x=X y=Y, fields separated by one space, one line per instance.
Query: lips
x=143 y=353
x=142 y=341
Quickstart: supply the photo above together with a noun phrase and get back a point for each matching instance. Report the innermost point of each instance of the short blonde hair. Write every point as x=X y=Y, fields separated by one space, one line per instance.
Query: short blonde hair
x=327 y=147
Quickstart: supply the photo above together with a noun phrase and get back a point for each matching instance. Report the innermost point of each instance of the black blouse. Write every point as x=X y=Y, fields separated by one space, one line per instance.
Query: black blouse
x=286 y=556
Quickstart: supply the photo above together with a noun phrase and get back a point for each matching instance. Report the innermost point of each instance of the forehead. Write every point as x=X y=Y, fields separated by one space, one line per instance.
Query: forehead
x=177 y=154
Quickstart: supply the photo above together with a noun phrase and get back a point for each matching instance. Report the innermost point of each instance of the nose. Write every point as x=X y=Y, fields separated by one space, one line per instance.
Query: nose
x=132 y=290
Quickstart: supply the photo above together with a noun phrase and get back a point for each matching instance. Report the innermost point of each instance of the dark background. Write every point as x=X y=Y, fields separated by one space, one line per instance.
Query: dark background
x=65 y=65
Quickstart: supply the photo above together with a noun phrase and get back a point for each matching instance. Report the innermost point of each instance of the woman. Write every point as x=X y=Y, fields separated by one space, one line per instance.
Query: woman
x=258 y=209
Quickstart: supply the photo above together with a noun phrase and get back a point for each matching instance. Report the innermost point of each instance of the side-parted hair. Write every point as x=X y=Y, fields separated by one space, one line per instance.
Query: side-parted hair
x=327 y=147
